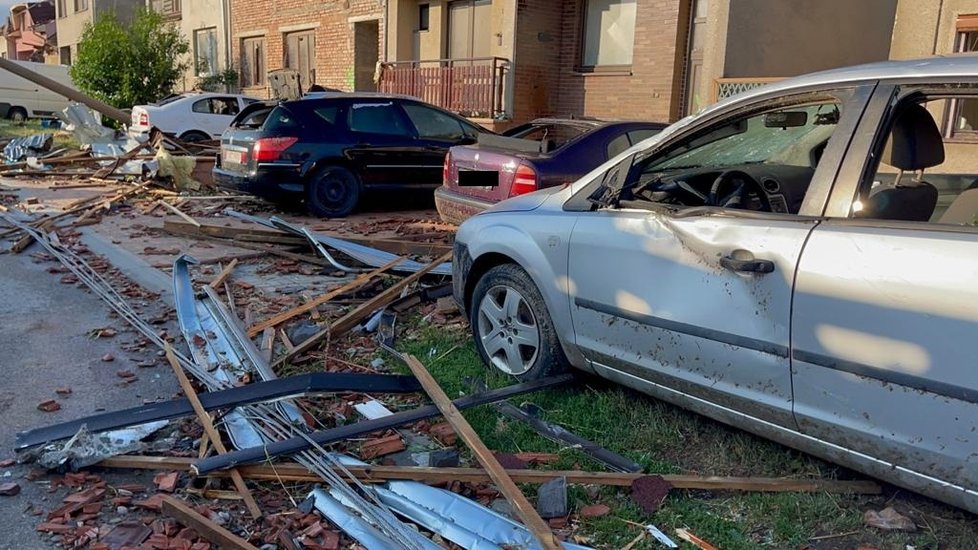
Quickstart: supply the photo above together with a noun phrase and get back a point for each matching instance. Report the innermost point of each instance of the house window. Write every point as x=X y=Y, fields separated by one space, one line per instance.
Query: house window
x=81 y=5
x=609 y=33
x=65 y=54
x=62 y=8
x=167 y=8
x=300 y=54
x=252 y=62
x=423 y=17
x=961 y=120
x=205 y=51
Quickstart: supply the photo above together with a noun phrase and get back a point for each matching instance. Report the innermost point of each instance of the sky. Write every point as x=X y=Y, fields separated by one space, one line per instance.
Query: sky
x=5 y=7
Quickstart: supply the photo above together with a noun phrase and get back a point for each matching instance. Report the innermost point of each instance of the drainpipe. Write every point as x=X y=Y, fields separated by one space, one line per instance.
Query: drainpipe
x=387 y=28
x=226 y=20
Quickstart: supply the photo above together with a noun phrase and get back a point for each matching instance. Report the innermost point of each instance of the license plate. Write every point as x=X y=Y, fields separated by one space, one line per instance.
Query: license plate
x=232 y=157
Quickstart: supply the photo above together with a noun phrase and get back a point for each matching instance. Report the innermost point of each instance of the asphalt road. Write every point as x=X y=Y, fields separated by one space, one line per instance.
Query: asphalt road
x=45 y=344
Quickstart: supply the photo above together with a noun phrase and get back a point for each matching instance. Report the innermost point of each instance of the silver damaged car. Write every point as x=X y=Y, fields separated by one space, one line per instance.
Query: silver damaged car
x=799 y=261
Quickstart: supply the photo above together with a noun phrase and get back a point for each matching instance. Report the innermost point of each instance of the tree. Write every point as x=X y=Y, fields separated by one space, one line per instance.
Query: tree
x=125 y=66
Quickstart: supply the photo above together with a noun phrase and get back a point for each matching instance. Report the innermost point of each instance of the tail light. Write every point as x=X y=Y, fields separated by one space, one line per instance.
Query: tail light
x=444 y=168
x=144 y=119
x=270 y=149
x=524 y=181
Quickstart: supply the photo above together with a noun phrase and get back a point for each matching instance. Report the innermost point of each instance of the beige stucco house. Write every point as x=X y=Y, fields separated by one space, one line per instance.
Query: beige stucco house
x=73 y=15
x=204 y=24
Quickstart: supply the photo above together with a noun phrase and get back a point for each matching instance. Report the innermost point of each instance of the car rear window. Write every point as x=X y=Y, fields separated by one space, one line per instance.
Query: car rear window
x=280 y=119
x=555 y=135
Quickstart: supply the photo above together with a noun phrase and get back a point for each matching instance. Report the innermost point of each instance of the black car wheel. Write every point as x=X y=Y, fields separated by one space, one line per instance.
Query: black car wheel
x=512 y=327
x=333 y=193
x=17 y=115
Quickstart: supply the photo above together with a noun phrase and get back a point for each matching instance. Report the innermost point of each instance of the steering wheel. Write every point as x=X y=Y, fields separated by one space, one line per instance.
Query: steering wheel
x=731 y=189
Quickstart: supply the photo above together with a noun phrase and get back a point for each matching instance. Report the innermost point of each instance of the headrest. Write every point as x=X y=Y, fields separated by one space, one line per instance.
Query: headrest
x=915 y=141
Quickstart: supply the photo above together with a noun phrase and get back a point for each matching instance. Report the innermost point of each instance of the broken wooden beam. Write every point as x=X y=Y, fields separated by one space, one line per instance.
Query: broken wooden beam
x=286 y=315
x=352 y=319
x=179 y=212
x=500 y=478
x=211 y=431
x=204 y=527
x=298 y=473
x=223 y=275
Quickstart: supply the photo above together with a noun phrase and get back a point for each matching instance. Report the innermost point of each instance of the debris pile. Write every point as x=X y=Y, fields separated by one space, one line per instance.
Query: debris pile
x=293 y=430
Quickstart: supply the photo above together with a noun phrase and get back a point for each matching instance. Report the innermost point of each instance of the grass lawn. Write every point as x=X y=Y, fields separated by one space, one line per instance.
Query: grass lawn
x=666 y=439
x=31 y=127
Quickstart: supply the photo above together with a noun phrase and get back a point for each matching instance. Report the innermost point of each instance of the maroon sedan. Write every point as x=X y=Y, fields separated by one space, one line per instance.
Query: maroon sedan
x=543 y=153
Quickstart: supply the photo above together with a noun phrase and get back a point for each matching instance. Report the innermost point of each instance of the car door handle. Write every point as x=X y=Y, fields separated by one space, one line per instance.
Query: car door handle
x=747 y=266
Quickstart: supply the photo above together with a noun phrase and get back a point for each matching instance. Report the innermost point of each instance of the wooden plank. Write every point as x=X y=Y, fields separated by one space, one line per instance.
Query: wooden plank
x=205 y=421
x=206 y=528
x=179 y=212
x=504 y=484
x=299 y=473
x=268 y=343
x=223 y=275
x=286 y=315
x=350 y=320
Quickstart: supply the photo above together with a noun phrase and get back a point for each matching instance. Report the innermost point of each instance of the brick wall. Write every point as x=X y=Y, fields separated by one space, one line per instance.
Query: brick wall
x=333 y=21
x=547 y=78
x=536 y=68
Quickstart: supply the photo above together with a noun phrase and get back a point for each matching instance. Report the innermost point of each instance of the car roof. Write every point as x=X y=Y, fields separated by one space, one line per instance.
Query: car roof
x=949 y=66
x=353 y=95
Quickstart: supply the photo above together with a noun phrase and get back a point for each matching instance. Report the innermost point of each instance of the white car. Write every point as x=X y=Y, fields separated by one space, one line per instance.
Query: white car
x=190 y=117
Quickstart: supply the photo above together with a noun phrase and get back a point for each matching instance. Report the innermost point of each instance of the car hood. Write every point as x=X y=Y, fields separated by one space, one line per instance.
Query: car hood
x=524 y=203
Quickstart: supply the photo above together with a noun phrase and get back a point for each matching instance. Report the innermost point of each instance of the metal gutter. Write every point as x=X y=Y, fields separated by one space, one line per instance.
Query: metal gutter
x=293 y=386
x=297 y=444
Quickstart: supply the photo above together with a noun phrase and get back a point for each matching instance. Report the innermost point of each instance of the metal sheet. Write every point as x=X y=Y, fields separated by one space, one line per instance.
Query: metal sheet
x=458 y=519
x=352 y=524
x=365 y=254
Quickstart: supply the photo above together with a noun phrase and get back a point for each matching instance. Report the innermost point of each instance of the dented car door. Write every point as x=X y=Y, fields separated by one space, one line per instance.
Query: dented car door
x=697 y=307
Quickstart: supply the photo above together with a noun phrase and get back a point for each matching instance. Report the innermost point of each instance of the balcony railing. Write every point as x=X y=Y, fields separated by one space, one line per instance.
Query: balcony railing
x=728 y=87
x=474 y=87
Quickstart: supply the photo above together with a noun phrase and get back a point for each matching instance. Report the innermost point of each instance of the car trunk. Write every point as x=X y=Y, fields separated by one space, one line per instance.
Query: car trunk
x=236 y=144
x=473 y=170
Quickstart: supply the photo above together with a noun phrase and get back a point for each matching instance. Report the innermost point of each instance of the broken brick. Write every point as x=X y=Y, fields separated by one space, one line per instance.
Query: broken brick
x=381 y=446
x=595 y=511
x=510 y=461
x=7 y=462
x=49 y=405
x=648 y=492
x=166 y=481
x=63 y=390
x=9 y=489
x=154 y=503
x=443 y=433
x=108 y=358
x=57 y=528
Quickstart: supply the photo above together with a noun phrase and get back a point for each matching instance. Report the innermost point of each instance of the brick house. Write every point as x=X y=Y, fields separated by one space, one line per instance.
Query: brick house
x=335 y=43
x=30 y=32
x=646 y=59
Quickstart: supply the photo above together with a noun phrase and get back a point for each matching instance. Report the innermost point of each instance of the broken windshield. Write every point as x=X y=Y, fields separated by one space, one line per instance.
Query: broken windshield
x=755 y=140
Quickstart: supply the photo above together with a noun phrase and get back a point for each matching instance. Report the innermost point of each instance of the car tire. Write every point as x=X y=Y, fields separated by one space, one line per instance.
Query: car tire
x=193 y=136
x=511 y=326
x=333 y=192
x=17 y=115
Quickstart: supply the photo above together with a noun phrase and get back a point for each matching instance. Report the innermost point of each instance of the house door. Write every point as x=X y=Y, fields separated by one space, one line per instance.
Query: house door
x=468 y=29
x=300 y=54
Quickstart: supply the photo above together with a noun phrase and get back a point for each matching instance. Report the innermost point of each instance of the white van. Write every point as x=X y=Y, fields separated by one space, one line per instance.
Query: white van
x=22 y=99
